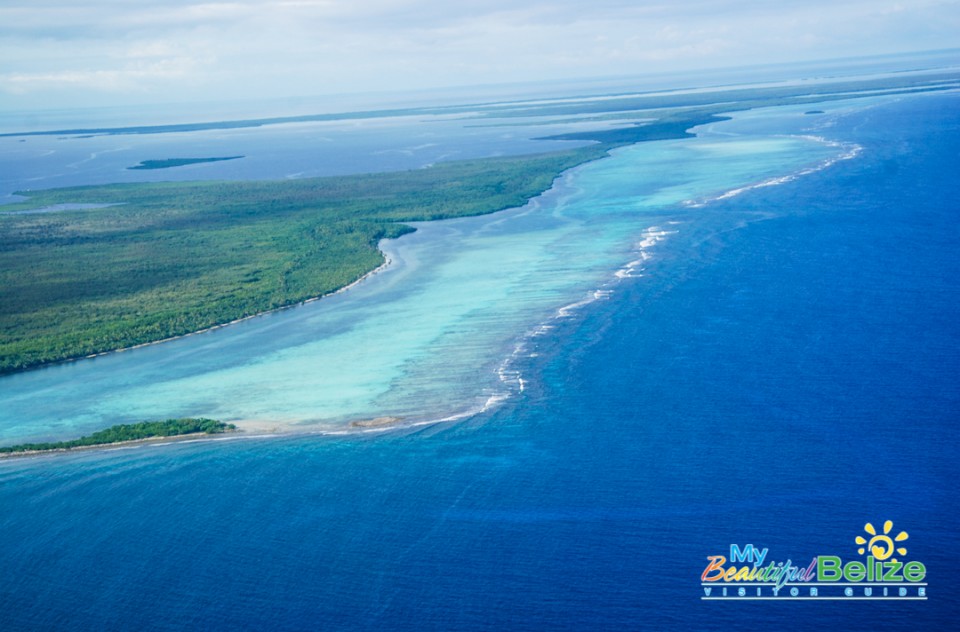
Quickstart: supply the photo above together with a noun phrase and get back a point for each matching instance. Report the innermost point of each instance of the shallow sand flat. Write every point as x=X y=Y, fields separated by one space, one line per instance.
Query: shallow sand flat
x=429 y=337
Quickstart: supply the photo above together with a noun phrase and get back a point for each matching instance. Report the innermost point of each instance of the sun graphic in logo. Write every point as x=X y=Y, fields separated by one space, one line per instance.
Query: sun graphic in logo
x=881 y=546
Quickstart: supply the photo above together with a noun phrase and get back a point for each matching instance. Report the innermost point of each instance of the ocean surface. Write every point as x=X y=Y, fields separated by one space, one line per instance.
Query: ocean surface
x=439 y=333
x=747 y=337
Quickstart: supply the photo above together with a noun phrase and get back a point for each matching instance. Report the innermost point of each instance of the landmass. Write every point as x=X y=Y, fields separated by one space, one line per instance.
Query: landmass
x=667 y=128
x=167 y=163
x=174 y=258
x=179 y=257
x=125 y=434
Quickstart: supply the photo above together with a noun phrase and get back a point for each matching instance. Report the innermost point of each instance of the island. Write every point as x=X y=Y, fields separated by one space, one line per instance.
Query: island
x=161 y=260
x=212 y=252
x=126 y=433
x=167 y=163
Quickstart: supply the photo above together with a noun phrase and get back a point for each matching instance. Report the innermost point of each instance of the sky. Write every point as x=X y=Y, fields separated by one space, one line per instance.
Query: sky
x=65 y=53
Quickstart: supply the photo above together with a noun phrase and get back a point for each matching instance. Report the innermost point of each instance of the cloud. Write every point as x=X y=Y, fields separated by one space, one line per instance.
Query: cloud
x=103 y=80
x=247 y=48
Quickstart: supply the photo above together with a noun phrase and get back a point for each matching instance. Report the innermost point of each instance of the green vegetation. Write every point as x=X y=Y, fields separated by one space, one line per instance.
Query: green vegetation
x=129 y=432
x=663 y=129
x=181 y=257
x=166 y=163
x=167 y=259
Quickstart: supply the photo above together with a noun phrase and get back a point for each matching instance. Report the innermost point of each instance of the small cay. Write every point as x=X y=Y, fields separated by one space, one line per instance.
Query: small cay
x=167 y=163
x=378 y=422
x=124 y=433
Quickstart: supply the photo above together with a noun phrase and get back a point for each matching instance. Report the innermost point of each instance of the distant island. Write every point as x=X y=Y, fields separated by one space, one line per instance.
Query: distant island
x=615 y=103
x=167 y=163
x=125 y=433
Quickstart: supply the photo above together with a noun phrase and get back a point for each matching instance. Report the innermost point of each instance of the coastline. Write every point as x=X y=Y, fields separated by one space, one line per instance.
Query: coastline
x=567 y=160
x=245 y=430
x=673 y=125
x=371 y=423
x=365 y=423
x=118 y=444
x=380 y=268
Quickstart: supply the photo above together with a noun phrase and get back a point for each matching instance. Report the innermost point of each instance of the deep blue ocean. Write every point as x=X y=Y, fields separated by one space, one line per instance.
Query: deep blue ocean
x=785 y=371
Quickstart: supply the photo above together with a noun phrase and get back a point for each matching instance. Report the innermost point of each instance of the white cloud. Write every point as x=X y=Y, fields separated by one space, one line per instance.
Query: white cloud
x=247 y=48
x=132 y=77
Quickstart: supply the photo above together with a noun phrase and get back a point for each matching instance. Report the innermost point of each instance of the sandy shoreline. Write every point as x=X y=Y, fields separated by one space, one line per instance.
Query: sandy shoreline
x=380 y=268
x=119 y=444
x=246 y=429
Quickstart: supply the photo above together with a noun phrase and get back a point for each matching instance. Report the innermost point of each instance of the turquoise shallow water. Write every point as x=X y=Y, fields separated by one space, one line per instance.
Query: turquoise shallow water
x=783 y=372
x=436 y=334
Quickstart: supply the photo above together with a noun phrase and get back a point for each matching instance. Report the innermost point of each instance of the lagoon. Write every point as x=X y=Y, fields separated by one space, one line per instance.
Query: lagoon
x=437 y=333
